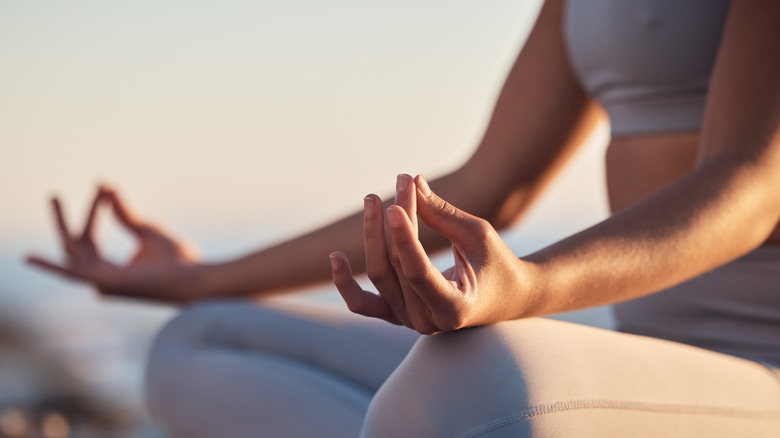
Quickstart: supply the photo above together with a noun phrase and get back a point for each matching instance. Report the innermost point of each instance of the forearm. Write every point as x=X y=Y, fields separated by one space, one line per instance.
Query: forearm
x=303 y=260
x=710 y=217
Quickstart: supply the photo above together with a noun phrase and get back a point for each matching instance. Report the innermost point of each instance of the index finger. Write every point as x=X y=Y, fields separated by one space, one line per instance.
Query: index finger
x=62 y=227
x=426 y=281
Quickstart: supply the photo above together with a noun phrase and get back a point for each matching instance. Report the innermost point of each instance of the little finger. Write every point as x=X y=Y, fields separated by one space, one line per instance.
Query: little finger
x=358 y=300
x=378 y=265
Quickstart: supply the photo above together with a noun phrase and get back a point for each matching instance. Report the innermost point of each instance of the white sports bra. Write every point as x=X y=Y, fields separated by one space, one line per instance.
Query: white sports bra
x=647 y=61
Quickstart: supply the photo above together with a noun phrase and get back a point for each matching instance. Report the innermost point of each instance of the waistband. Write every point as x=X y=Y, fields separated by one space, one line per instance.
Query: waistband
x=672 y=114
x=769 y=253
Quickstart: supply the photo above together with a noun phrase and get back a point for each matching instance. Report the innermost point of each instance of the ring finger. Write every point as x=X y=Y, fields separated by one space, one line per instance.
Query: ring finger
x=378 y=266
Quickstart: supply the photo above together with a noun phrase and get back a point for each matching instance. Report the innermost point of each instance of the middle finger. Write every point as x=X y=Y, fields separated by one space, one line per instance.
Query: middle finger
x=89 y=225
x=406 y=198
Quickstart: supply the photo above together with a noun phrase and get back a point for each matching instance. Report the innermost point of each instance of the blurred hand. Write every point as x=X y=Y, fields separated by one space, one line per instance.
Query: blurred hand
x=163 y=267
x=488 y=283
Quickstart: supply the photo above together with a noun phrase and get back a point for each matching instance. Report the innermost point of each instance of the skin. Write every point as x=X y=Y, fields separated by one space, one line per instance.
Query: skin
x=683 y=204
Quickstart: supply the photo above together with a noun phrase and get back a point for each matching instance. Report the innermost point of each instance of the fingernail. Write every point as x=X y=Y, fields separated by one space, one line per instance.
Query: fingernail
x=393 y=217
x=401 y=182
x=333 y=261
x=423 y=184
x=368 y=205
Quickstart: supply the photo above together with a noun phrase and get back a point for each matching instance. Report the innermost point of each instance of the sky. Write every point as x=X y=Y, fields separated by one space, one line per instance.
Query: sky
x=239 y=123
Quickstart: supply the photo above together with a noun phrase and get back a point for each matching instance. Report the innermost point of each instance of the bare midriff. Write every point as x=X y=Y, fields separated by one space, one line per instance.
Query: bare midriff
x=639 y=165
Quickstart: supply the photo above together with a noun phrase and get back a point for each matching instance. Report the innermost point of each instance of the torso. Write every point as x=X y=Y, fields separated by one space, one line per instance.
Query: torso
x=639 y=165
x=649 y=63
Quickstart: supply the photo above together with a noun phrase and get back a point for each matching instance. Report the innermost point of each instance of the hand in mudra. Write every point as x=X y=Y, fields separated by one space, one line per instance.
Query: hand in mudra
x=162 y=267
x=488 y=283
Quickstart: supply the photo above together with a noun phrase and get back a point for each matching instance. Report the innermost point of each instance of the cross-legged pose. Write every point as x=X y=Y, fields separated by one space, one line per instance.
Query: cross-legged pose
x=690 y=257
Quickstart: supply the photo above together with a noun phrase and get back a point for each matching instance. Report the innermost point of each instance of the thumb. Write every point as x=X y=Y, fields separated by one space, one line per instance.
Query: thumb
x=459 y=227
x=123 y=214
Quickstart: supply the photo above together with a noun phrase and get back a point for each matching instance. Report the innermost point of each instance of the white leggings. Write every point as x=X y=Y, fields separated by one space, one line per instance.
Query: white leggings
x=239 y=370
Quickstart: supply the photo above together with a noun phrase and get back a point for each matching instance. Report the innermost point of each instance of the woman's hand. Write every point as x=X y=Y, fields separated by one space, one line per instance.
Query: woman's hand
x=163 y=267
x=488 y=283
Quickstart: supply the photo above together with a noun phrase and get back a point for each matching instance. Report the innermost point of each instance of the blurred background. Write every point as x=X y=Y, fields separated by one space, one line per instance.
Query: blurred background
x=237 y=124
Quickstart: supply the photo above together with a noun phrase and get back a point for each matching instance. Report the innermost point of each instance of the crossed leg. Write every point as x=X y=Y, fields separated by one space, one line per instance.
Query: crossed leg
x=239 y=370
x=544 y=378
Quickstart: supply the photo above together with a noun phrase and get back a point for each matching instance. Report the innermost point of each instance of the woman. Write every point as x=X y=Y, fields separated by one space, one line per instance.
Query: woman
x=691 y=90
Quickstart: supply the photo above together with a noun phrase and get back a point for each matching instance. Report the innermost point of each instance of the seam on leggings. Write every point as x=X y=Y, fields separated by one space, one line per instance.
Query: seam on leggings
x=663 y=408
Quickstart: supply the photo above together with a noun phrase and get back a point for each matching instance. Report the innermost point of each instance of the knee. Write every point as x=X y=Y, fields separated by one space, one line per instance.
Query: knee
x=192 y=323
x=480 y=380
x=185 y=331
x=173 y=348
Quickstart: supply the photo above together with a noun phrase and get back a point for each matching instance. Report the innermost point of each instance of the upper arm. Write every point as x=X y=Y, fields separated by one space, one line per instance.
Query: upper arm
x=541 y=115
x=742 y=117
x=740 y=139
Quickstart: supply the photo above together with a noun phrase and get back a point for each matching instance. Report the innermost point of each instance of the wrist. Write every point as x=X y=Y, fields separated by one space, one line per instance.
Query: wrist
x=212 y=280
x=199 y=282
x=534 y=289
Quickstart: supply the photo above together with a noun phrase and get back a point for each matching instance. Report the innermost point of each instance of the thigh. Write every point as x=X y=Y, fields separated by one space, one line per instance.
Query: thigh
x=283 y=370
x=353 y=347
x=545 y=378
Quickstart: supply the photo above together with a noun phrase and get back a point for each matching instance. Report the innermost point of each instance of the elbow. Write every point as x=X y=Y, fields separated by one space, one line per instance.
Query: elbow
x=754 y=200
x=501 y=196
x=507 y=210
x=764 y=224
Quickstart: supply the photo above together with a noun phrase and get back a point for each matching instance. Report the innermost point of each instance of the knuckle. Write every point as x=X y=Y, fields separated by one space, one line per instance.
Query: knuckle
x=481 y=226
x=345 y=283
x=416 y=277
x=377 y=276
x=425 y=328
x=395 y=259
x=454 y=318
x=361 y=305
x=355 y=306
x=444 y=208
x=339 y=280
x=401 y=242
x=424 y=323
x=452 y=322
x=371 y=231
